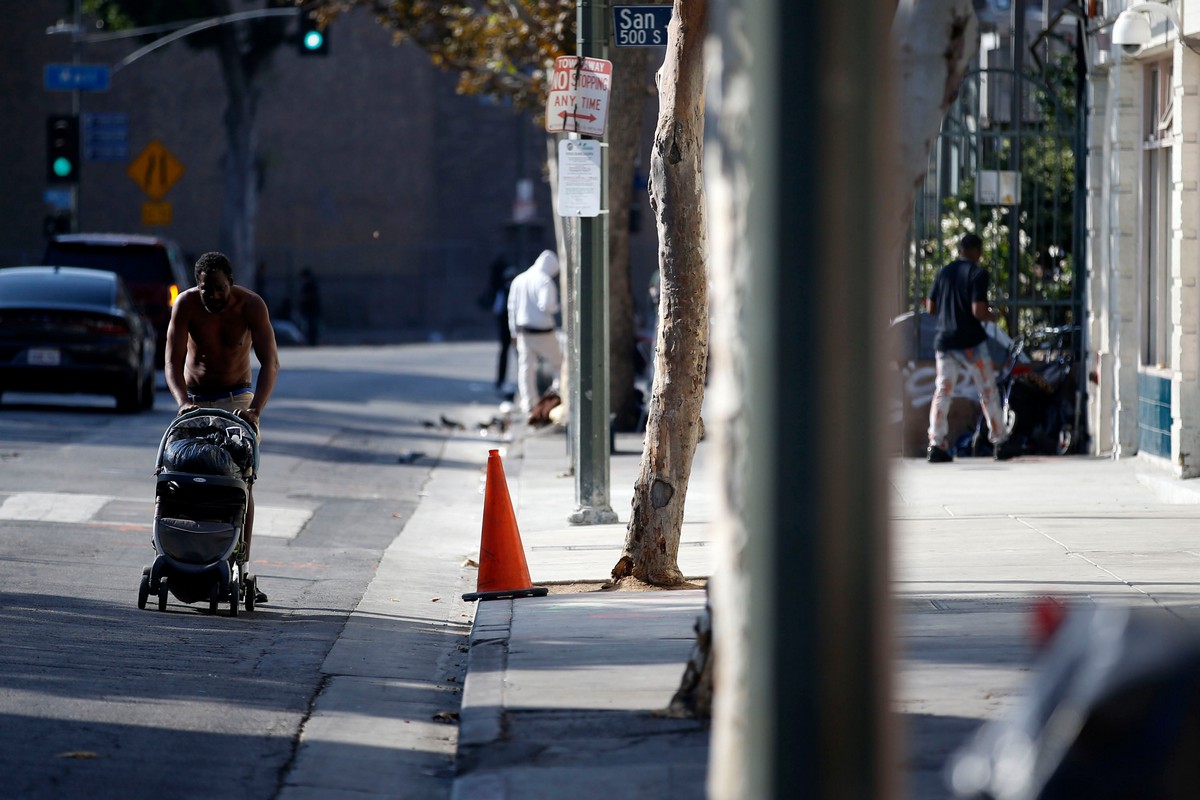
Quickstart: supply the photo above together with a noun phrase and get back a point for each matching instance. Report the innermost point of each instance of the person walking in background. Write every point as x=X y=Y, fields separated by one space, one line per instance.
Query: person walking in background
x=532 y=304
x=959 y=298
x=502 y=274
x=309 y=306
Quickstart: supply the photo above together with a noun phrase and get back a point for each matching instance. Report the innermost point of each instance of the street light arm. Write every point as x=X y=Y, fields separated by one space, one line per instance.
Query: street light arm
x=200 y=26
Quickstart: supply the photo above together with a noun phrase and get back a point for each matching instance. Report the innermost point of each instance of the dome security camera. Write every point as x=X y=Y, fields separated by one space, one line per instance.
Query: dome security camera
x=1131 y=31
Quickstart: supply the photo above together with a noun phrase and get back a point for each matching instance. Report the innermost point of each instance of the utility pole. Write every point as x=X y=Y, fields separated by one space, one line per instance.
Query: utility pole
x=76 y=106
x=1014 y=220
x=589 y=347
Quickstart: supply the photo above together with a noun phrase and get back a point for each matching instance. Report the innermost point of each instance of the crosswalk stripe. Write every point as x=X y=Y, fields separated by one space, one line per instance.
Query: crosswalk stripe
x=52 y=507
x=272 y=521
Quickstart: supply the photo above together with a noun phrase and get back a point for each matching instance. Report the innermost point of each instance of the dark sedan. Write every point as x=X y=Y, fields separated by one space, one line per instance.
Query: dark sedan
x=74 y=331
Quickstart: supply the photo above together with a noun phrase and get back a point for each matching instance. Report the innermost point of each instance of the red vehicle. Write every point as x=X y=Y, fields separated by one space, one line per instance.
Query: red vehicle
x=153 y=268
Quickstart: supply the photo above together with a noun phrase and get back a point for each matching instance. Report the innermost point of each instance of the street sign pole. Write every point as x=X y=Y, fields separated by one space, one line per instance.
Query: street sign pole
x=589 y=350
x=76 y=107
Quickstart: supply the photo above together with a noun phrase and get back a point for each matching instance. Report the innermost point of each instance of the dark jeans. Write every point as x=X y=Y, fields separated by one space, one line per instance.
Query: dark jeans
x=505 y=339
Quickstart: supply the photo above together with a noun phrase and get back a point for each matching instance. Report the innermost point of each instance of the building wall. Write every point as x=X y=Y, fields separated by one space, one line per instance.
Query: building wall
x=395 y=190
x=1114 y=182
x=1185 y=305
x=1161 y=401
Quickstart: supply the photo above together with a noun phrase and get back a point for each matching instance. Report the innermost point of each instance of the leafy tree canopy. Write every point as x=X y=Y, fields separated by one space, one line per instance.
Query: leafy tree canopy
x=503 y=49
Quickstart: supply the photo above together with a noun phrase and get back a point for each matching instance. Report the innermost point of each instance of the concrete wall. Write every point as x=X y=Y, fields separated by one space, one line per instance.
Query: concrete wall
x=1114 y=191
x=396 y=191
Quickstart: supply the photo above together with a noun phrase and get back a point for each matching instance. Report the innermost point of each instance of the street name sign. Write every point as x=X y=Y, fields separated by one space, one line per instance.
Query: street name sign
x=578 y=98
x=76 y=77
x=579 y=176
x=641 y=26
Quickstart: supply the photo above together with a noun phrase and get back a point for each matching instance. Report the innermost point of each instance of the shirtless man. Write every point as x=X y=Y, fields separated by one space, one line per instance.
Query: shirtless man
x=212 y=330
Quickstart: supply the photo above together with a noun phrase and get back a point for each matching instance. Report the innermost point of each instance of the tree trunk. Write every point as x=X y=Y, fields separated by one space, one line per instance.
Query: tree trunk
x=629 y=94
x=726 y=152
x=677 y=198
x=239 y=220
x=933 y=44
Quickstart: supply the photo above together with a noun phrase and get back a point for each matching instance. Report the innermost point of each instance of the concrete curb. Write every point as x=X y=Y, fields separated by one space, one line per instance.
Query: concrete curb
x=482 y=719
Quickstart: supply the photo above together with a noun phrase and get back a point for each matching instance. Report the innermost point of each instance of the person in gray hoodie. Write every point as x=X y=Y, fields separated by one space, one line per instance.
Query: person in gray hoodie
x=532 y=306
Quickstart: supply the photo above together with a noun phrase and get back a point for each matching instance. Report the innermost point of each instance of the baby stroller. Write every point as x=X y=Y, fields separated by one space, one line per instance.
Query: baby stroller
x=207 y=460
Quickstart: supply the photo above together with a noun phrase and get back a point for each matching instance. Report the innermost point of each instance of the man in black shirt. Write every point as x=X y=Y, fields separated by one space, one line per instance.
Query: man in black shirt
x=959 y=298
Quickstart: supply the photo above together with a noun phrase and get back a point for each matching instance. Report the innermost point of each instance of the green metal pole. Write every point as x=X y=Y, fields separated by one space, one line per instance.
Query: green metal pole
x=590 y=348
x=819 y=716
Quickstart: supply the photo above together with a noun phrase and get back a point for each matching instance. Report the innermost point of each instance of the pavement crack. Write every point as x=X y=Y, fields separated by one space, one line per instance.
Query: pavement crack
x=286 y=768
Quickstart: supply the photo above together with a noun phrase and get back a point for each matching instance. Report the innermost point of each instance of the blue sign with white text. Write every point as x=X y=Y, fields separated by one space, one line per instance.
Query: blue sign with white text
x=76 y=77
x=106 y=136
x=641 y=26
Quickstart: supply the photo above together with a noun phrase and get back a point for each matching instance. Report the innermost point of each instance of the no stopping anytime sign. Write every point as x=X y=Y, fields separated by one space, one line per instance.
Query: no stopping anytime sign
x=578 y=97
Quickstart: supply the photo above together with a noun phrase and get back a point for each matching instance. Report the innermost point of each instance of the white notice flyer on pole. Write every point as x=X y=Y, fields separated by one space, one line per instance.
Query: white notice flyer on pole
x=579 y=172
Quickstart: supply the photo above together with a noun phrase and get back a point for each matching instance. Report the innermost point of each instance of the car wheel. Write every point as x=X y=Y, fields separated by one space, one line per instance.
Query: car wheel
x=129 y=400
x=147 y=398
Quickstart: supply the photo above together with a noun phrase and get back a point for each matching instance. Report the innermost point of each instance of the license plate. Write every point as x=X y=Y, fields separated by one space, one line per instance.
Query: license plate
x=45 y=356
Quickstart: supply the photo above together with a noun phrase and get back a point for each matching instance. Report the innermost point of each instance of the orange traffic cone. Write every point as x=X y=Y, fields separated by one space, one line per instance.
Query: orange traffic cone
x=503 y=571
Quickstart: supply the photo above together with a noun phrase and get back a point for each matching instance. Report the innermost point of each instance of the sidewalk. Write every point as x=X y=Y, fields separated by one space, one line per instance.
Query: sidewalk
x=976 y=543
x=558 y=692
x=561 y=691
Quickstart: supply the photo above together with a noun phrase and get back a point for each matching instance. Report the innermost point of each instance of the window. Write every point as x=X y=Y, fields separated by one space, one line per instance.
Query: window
x=1154 y=269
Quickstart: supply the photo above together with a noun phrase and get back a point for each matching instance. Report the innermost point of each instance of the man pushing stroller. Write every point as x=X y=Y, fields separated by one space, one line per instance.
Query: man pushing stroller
x=213 y=328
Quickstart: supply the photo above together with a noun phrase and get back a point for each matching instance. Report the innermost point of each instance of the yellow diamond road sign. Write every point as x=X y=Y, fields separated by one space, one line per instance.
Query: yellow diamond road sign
x=155 y=170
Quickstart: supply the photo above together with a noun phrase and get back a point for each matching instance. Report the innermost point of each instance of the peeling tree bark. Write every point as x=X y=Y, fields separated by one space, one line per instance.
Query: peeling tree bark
x=673 y=424
x=933 y=44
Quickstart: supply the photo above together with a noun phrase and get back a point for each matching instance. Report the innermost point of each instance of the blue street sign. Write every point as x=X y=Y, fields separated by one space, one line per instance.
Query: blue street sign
x=58 y=199
x=106 y=136
x=641 y=26
x=76 y=77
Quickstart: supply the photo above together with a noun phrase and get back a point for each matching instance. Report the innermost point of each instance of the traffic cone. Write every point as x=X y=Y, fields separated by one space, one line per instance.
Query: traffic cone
x=503 y=571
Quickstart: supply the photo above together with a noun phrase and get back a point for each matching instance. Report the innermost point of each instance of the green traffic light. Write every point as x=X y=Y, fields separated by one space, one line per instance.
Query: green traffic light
x=313 y=40
x=63 y=167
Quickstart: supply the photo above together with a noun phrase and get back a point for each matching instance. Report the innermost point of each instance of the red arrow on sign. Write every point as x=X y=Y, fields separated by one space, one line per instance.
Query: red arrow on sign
x=588 y=117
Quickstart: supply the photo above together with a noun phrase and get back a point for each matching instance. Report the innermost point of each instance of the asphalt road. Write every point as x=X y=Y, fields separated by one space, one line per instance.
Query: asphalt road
x=99 y=699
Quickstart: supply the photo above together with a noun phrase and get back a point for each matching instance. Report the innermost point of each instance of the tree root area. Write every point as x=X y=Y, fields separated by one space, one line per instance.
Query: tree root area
x=626 y=584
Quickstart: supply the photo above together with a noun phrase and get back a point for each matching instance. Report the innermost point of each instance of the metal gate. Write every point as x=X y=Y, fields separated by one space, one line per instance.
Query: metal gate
x=1014 y=180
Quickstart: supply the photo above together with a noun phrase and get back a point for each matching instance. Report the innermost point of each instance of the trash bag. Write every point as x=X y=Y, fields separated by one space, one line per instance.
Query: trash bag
x=209 y=446
x=1112 y=711
x=199 y=456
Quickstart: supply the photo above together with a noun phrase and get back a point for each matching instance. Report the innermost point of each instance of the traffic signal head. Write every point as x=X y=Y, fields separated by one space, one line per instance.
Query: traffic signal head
x=62 y=148
x=314 y=40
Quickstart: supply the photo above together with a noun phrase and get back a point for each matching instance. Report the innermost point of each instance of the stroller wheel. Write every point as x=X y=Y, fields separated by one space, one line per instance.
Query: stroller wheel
x=251 y=591
x=235 y=597
x=144 y=590
x=214 y=597
x=162 y=594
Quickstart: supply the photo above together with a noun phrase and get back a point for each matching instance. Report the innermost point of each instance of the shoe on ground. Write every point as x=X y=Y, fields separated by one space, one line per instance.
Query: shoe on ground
x=259 y=595
x=1006 y=450
x=938 y=455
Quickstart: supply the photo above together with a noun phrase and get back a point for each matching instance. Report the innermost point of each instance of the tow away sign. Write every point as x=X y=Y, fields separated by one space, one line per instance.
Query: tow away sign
x=578 y=98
